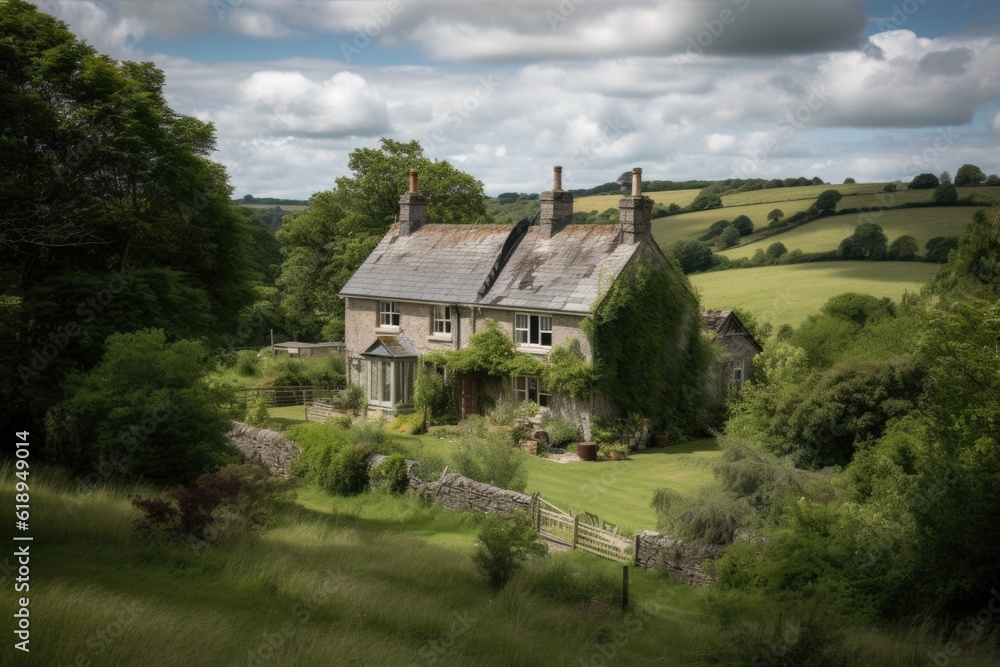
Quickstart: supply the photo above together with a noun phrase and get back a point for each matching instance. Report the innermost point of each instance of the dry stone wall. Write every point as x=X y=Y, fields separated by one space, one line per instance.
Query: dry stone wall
x=273 y=449
x=682 y=559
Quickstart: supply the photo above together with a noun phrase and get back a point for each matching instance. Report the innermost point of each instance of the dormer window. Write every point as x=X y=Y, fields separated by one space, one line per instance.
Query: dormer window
x=388 y=314
x=533 y=329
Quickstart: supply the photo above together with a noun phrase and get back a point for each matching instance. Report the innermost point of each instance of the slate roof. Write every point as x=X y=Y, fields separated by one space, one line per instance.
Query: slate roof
x=446 y=263
x=439 y=263
x=727 y=323
x=393 y=346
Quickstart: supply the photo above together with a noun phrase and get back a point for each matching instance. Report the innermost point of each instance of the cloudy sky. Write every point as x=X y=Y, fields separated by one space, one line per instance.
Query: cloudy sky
x=506 y=89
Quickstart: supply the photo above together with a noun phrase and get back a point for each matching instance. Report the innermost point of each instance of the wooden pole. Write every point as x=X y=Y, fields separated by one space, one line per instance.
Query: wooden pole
x=624 y=588
x=576 y=529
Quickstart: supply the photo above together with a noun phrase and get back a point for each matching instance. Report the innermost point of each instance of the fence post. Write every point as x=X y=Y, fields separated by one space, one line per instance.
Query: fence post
x=576 y=529
x=635 y=553
x=624 y=588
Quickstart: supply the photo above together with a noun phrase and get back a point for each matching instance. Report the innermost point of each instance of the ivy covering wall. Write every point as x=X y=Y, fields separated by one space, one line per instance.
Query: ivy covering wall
x=650 y=356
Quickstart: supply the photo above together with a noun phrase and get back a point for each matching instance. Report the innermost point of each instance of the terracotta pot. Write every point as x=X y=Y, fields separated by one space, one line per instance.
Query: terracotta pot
x=662 y=439
x=587 y=450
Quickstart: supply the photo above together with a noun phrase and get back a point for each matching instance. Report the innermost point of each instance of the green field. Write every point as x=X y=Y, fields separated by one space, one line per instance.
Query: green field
x=788 y=294
x=826 y=233
x=601 y=203
x=692 y=225
x=800 y=192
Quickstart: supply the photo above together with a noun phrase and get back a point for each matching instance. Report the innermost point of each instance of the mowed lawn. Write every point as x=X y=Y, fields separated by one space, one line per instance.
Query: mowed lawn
x=788 y=294
x=826 y=233
x=619 y=491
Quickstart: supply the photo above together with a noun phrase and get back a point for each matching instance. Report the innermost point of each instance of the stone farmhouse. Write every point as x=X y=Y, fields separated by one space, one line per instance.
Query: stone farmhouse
x=429 y=287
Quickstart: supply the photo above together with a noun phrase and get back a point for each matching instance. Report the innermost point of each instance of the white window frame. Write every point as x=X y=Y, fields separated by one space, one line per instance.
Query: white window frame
x=530 y=388
x=390 y=382
x=388 y=314
x=738 y=373
x=533 y=329
x=441 y=320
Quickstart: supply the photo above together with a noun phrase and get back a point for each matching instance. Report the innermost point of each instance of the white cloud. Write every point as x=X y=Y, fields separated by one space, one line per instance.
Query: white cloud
x=720 y=143
x=996 y=123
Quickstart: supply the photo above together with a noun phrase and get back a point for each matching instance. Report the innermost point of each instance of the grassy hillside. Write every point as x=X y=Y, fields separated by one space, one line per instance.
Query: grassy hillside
x=788 y=294
x=795 y=193
x=370 y=580
x=601 y=203
x=826 y=233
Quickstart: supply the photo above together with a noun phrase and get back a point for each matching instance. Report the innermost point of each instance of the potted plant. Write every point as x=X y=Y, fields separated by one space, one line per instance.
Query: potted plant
x=662 y=439
x=618 y=452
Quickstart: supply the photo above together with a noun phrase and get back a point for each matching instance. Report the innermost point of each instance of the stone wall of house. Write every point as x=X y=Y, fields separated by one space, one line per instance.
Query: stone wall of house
x=682 y=559
x=273 y=449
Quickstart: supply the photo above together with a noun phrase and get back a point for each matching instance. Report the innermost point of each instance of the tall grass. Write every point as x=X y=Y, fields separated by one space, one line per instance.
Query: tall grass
x=361 y=581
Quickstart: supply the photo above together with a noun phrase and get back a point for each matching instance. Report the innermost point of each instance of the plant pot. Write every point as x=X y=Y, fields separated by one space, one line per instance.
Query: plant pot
x=662 y=439
x=587 y=450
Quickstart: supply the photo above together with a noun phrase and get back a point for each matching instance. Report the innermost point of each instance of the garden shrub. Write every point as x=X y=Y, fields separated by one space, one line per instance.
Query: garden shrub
x=257 y=413
x=333 y=458
x=504 y=542
x=487 y=456
x=561 y=432
x=248 y=364
x=391 y=474
x=348 y=471
x=712 y=518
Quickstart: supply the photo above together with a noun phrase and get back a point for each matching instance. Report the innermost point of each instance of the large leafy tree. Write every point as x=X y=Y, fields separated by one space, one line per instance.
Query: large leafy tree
x=325 y=244
x=969 y=174
x=112 y=217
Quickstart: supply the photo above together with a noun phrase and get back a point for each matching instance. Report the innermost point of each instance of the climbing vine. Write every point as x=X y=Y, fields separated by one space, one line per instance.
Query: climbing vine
x=650 y=357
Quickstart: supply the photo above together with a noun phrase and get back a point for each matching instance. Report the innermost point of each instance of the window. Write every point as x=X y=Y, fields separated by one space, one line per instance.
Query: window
x=388 y=314
x=390 y=383
x=738 y=373
x=442 y=320
x=532 y=329
x=527 y=388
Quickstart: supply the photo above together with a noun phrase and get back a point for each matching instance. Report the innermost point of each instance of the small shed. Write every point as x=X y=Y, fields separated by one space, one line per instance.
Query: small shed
x=298 y=349
x=736 y=339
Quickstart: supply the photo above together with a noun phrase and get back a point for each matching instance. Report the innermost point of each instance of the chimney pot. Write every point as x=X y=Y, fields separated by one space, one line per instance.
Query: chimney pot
x=556 y=179
x=413 y=180
x=412 y=208
x=637 y=182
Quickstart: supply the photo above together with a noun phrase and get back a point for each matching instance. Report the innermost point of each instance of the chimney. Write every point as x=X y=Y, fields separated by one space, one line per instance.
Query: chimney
x=634 y=212
x=412 y=208
x=557 y=206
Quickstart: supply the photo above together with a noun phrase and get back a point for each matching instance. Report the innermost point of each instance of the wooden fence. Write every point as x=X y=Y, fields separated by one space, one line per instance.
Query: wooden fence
x=578 y=532
x=277 y=397
x=320 y=411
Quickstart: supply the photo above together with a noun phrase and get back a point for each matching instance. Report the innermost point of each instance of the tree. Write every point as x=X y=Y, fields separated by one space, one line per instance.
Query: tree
x=325 y=244
x=692 y=256
x=938 y=248
x=145 y=411
x=775 y=217
x=945 y=177
x=969 y=174
x=903 y=248
x=826 y=203
x=625 y=181
x=945 y=194
x=106 y=195
x=924 y=182
x=867 y=242
x=743 y=225
x=717 y=228
x=706 y=199
x=992 y=179
x=776 y=250
x=974 y=268
x=849 y=181
x=729 y=237
x=889 y=187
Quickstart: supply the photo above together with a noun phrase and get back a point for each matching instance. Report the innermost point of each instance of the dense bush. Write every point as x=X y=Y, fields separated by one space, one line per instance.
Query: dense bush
x=331 y=459
x=247 y=363
x=561 y=432
x=504 y=542
x=711 y=518
x=391 y=474
x=924 y=182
